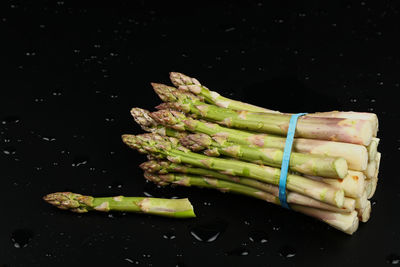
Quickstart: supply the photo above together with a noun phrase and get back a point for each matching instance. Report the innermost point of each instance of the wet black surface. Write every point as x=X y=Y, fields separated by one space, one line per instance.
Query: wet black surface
x=70 y=74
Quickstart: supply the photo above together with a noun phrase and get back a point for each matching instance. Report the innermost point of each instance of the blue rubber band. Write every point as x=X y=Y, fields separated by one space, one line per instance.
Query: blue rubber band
x=286 y=158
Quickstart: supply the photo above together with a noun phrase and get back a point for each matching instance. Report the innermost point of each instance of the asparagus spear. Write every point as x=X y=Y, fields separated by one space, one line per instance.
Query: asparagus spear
x=148 y=124
x=356 y=156
x=169 y=148
x=346 y=222
x=177 y=208
x=371 y=117
x=317 y=165
x=186 y=83
x=333 y=129
x=164 y=167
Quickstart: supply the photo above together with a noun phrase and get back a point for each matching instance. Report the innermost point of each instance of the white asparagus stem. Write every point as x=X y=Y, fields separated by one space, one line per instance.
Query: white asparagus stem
x=346 y=222
x=361 y=202
x=364 y=214
x=353 y=184
x=355 y=155
x=374 y=181
x=373 y=148
x=351 y=115
x=371 y=169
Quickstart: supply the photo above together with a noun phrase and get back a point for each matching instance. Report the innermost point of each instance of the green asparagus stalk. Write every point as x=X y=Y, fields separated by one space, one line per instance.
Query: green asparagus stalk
x=177 y=208
x=164 y=167
x=356 y=156
x=169 y=148
x=186 y=83
x=317 y=165
x=333 y=129
x=346 y=222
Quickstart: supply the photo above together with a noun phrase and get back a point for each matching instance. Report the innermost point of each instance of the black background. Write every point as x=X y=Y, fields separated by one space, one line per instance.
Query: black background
x=70 y=74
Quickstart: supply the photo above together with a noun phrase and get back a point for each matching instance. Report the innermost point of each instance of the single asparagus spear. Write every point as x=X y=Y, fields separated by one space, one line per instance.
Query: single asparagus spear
x=346 y=222
x=186 y=83
x=356 y=156
x=148 y=124
x=169 y=148
x=177 y=208
x=317 y=165
x=333 y=129
x=164 y=167
x=371 y=117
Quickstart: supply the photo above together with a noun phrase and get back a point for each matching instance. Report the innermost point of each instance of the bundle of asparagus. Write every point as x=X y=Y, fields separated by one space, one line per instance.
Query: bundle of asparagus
x=199 y=138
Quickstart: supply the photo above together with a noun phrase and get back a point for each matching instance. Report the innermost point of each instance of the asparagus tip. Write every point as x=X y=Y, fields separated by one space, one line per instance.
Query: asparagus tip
x=69 y=201
x=143 y=118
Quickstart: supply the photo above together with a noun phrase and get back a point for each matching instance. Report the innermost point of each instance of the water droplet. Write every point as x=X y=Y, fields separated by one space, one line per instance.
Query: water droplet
x=287 y=252
x=56 y=93
x=48 y=138
x=109 y=119
x=208 y=231
x=9 y=150
x=238 y=252
x=128 y=260
x=169 y=236
x=80 y=161
x=10 y=119
x=393 y=259
x=276 y=228
x=21 y=237
x=258 y=236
